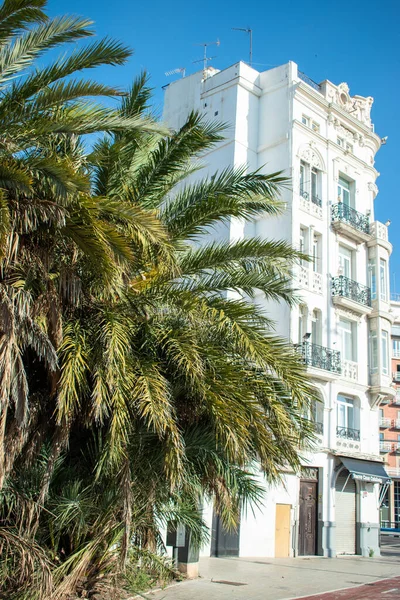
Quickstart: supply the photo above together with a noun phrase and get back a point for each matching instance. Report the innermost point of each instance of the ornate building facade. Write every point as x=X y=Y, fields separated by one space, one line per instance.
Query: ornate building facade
x=323 y=138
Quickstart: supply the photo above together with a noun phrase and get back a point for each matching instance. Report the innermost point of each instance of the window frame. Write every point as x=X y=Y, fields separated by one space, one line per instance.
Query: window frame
x=385 y=351
x=383 y=280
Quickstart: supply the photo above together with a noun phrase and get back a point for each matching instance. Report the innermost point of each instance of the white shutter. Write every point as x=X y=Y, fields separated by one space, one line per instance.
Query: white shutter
x=345 y=514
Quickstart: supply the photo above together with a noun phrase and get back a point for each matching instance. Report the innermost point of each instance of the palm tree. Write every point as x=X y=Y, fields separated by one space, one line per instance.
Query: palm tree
x=48 y=221
x=174 y=355
x=121 y=323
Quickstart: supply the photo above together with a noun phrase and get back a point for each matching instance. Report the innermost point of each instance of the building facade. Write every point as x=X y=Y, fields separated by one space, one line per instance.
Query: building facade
x=323 y=138
x=389 y=430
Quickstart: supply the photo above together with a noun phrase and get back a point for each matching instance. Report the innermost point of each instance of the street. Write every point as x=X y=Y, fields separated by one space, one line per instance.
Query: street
x=352 y=577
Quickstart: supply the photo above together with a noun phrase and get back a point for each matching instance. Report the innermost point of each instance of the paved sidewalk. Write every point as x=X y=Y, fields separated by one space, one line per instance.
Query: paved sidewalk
x=283 y=579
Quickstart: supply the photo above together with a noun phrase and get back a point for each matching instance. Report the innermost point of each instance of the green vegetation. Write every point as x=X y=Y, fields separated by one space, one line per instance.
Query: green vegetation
x=137 y=376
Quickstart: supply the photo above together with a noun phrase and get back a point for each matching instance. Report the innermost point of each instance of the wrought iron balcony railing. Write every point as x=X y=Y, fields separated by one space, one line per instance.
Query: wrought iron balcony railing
x=320 y=357
x=347 y=214
x=309 y=81
x=347 y=433
x=307 y=196
x=347 y=288
x=319 y=427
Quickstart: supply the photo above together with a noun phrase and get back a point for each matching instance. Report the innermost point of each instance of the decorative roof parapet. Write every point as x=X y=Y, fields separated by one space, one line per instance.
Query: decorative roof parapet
x=357 y=106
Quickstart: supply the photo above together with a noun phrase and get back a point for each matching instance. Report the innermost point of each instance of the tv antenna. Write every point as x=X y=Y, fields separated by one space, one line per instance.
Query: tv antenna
x=206 y=58
x=250 y=32
x=175 y=71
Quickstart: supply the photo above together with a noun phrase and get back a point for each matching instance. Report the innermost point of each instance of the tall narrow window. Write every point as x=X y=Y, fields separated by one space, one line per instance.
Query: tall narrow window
x=316 y=253
x=372 y=279
x=304 y=184
x=347 y=340
x=345 y=413
x=385 y=352
x=302 y=323
x=316 y=327
x=314 y=186
x=373 y=351
x=344 y=191
x=383 y=280
x=310 y=183
x=345 y=262
x=303 y=245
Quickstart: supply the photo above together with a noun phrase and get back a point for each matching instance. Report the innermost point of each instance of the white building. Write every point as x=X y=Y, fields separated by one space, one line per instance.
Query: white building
x=324 y=140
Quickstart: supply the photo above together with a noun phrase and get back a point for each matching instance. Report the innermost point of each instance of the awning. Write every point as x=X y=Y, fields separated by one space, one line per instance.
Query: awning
x=365 y=470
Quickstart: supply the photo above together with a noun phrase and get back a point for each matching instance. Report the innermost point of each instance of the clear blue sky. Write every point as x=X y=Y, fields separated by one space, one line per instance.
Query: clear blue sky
x=357 y=42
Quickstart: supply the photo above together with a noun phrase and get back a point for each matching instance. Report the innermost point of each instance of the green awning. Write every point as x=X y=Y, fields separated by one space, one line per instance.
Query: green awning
x=365 y=470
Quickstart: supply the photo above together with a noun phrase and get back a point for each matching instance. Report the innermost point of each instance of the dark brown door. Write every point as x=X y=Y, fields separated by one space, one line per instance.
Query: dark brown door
x=308 y=518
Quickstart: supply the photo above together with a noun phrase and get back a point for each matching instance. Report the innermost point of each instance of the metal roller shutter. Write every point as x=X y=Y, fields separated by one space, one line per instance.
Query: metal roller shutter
x=345 y=514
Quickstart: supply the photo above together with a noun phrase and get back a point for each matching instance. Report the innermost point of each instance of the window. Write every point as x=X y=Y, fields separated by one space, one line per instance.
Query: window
x=372 y=279
x=349 y=147
x=316 y=254
x=315 y=127
x=310 y=183
x=303 y=245
x=385 y=352
x=302 y=323
x=314 y=186
x=344 y=191
x=316 y=328
x=347 y=339
x=340 y=141
x=373 y=351
x=396 y=348
x=346 y=413
x=345 y=262
x=382 y=280
x=303 y=180
x=305 y=120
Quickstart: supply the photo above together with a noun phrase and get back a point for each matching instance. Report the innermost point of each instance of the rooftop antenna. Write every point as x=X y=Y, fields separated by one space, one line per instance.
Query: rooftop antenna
x=206 y=58
x=250 y=32
x=175 y=71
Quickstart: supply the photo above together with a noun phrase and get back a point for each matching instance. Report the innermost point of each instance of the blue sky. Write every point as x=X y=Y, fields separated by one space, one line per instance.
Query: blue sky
x=357 y=42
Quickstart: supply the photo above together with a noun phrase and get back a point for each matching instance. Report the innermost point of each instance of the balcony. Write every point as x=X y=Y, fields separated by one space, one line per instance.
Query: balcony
x=310 y=203
x=346 y=433
x=396 y=424
x=396 y=376
x=396 y=399
x=384 y=422
x=350 y=222
x=345 y=291
x=385 y=447
x=350 y=369
x=393 y=471
x=320 y=357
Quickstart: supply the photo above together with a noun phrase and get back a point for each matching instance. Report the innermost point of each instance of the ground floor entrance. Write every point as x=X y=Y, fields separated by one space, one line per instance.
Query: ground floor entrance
x=223 y=542
x=282 y=530
x=345 y=509
x=308 y=500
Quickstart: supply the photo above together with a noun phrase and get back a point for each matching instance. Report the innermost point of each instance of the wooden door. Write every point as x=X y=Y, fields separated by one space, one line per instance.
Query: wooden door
x=308 y=518
x=282 y=530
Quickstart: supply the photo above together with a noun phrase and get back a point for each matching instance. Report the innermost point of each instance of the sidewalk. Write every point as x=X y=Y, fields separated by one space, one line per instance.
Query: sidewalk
x=282 y=579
